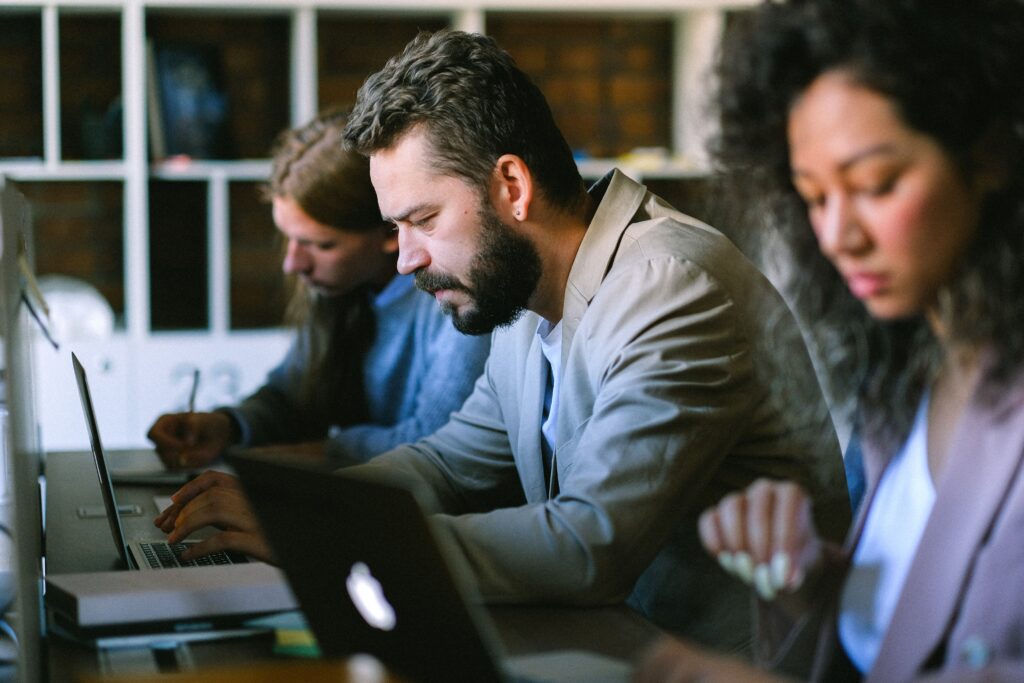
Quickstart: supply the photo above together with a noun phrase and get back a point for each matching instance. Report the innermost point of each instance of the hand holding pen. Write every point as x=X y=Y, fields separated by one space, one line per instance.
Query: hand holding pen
x=192 y=394
x=191 y=439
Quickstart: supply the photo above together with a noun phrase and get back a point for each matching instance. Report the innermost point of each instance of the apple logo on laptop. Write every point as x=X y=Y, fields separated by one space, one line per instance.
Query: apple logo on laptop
x=368 y=597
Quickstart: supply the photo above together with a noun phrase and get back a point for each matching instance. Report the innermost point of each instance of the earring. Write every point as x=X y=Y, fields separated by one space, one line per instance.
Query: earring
x=518 y=213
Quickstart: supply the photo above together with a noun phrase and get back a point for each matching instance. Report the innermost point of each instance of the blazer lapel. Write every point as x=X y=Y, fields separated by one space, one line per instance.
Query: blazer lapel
x=985 y=453
x=614 y=214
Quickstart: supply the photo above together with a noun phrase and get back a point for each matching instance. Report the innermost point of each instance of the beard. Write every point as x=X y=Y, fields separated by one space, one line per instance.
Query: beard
x=502 y=277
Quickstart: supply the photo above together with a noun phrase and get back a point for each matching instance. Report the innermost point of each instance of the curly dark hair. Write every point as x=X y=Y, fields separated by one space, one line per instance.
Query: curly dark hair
x=952 y=70
x=475 y=105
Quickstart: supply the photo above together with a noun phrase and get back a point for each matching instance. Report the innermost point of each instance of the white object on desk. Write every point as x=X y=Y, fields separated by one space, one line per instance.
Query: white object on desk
x=98 y=601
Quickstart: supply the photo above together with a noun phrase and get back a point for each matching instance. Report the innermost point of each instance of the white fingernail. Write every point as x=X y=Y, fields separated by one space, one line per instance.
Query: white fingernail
x=744 y=567
x=763 y=582
x=797 y=580
x=727 y=562
x=780 y=570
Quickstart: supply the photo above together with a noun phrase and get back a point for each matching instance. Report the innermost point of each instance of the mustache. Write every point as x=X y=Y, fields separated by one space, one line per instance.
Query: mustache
x=431 y=282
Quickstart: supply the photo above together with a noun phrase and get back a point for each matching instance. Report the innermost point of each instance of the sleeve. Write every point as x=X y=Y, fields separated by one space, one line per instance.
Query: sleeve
x=672 y=377
x=464 y=466
x=273 y=413
x=449 y=369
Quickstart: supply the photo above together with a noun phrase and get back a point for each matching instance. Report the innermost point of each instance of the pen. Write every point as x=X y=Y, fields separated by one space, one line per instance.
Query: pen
x=192 y=394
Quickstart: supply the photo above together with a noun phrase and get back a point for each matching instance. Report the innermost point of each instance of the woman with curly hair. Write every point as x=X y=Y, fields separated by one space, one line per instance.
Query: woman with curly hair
x=882 y=141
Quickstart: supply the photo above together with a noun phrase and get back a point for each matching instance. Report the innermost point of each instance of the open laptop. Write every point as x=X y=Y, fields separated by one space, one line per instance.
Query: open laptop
x=371 y=577
x=142 y=554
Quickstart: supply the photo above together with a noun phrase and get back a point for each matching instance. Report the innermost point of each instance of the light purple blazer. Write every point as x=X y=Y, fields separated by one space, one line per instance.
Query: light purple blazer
x=964 y=594
x=960 y=616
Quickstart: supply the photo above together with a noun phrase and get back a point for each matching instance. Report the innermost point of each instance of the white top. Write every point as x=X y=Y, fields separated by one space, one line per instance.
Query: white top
x=551 y=345
x=893 y=528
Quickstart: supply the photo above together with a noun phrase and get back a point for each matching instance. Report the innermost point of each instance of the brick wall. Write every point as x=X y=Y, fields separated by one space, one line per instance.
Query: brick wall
x=352 y=48
x=79 y=233
x=21 y=93
x=608 y=81
x=257 y=284
x=90 y=86
x=254 y=56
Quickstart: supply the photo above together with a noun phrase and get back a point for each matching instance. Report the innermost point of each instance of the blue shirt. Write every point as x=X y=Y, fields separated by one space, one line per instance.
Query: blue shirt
x=418 y=370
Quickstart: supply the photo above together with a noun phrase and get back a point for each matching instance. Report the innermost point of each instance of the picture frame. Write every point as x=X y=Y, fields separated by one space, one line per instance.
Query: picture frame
x=188 y=101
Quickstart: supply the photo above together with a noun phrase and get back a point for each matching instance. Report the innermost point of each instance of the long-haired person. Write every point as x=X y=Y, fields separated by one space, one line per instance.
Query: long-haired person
x=375 y=363
x=884 y=139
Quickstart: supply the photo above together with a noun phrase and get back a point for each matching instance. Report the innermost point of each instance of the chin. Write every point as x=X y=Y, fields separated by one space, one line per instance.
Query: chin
x=889 y=310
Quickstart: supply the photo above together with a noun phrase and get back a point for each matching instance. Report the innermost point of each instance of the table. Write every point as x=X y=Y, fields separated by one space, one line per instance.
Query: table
x=82 y=545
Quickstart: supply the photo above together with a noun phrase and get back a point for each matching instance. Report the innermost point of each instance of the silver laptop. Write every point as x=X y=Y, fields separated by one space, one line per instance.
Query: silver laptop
x=370 y=576
x=142 y=554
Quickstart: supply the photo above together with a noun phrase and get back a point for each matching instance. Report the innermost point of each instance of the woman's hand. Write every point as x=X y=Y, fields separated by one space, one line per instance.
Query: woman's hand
x=764 y=535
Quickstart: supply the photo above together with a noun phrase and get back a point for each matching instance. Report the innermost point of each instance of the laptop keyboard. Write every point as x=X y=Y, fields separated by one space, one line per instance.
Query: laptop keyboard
x=162 y=555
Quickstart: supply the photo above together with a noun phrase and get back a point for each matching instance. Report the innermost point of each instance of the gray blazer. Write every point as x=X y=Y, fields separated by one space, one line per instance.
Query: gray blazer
x=668 y=399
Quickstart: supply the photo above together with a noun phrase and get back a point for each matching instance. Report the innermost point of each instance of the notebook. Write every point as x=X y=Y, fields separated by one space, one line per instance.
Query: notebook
x=141 y=554
x=371 y=577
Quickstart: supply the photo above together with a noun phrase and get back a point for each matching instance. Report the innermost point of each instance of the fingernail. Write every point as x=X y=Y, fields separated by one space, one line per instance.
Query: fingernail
x=780 y=570
x=744 y=567
x=797 y=580
x=763 y=582
x=727 y=562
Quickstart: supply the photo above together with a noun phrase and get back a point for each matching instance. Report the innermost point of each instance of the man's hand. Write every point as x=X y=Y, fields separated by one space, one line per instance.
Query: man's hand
x=186 y=440
x=214 y=499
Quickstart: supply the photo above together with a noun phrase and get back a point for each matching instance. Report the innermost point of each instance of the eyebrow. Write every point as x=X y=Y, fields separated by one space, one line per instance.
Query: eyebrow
x=405 y=215
x=881 y=149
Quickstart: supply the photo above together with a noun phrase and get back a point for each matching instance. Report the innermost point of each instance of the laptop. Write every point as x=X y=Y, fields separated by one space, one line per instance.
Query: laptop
x=142 y=554
x=371 y=577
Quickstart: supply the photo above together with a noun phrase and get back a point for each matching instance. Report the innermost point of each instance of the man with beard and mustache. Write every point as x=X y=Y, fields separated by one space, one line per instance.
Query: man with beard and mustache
x=630 y=382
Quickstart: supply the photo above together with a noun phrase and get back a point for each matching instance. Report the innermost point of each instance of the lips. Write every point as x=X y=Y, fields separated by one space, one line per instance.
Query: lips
x=865 y=285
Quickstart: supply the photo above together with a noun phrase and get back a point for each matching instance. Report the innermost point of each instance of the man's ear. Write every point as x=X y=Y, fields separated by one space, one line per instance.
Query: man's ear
x=512 y=195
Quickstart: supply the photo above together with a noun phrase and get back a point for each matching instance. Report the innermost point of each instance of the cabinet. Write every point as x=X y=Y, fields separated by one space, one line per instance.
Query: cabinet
x=182 y=248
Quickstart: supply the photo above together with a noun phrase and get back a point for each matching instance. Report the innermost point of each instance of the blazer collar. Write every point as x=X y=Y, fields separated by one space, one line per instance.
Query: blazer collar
x=619 y=199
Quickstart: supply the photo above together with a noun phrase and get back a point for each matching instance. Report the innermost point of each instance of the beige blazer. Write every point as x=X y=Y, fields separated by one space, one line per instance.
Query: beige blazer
x=667 y=399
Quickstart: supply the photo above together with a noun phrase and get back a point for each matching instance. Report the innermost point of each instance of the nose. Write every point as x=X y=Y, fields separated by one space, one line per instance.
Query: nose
x=412 y=255
x=838 y=227
x=296 y=259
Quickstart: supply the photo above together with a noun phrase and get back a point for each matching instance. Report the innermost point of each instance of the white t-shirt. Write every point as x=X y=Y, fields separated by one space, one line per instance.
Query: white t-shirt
x=551 y=345
x=887 y=546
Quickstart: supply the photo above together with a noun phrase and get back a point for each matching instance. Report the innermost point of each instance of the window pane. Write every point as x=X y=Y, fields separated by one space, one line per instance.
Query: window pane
x=21 y=84
x=177 y=255
x=79 y=233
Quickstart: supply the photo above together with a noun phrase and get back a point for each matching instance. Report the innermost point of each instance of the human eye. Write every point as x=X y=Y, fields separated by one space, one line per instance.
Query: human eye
x=812 y=197
x=813 y=201
x=326 y=246
x=875 y=179
x=423 y=222
x=881 y=188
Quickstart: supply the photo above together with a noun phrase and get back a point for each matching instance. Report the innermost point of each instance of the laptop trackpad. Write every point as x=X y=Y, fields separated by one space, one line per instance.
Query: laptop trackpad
x=567 y=666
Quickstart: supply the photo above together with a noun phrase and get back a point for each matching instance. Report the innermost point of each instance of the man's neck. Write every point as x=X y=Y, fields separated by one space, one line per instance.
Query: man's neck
x=558 y=240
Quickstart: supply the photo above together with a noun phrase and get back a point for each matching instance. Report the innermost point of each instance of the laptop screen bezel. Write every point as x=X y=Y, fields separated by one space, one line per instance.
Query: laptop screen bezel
x=102 y=472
